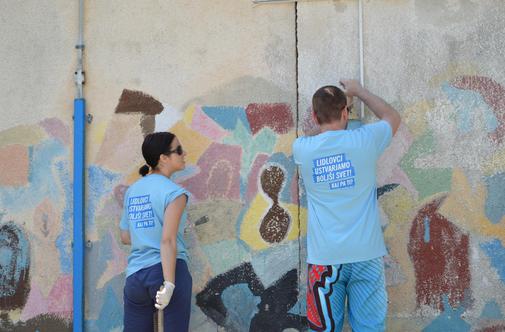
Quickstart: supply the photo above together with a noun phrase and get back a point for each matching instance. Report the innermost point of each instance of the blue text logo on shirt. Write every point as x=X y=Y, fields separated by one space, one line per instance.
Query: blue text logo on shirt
x=335 y=169
x=140 y=211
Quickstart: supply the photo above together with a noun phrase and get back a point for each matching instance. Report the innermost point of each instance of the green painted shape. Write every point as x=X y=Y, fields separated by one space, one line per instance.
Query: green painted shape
x=426 y=181
x=263 y=142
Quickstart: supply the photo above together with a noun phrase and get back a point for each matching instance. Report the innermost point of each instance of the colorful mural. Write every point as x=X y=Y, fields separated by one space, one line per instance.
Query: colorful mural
x=440 y=188
x=35 y=228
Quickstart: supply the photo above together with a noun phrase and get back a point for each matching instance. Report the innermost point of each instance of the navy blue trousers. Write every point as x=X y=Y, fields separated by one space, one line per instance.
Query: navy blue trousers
x=139 y=298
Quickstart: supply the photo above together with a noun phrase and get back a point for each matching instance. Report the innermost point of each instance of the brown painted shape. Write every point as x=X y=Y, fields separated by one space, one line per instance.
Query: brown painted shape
x=276 y=116
x=139 y=102
x=439 y=253
x=494 y=328
x=275 y=224
x=493 y=94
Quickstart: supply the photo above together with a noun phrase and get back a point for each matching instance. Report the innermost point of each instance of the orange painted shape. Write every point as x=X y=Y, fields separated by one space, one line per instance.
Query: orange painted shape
x=14 y=167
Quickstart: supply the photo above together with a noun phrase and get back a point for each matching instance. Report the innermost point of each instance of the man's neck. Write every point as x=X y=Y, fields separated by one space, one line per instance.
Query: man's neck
x=332 y=126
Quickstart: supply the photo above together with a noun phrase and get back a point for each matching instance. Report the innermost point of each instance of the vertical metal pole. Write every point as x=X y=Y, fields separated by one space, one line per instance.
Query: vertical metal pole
x=79 y=182
x=78 y=249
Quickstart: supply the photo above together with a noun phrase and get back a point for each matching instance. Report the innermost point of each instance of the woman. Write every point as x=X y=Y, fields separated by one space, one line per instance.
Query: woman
x=153 y=223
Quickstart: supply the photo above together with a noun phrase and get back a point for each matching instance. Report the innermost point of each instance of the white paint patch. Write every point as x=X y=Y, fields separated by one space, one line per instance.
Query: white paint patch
x=166 y=119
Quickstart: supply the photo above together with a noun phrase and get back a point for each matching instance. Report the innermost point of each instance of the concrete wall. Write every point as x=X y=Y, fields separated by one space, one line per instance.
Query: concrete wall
x=234 y=82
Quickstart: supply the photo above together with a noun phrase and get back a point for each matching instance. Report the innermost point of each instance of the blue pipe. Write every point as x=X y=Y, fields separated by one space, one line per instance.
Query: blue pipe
x=78 y=245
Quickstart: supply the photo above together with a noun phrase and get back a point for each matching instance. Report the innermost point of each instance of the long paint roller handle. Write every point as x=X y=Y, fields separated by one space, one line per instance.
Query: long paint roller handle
x=160 y=317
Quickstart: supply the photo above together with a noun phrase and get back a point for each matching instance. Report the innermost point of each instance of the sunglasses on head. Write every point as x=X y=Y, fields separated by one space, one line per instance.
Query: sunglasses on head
x=177 y=150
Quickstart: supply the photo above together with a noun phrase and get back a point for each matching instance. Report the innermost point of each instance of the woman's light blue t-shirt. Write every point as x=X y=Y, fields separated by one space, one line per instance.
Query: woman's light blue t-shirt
x=338 y=169
x=143 y=210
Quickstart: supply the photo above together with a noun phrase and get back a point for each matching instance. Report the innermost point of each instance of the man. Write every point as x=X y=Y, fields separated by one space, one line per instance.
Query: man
x=345 y=244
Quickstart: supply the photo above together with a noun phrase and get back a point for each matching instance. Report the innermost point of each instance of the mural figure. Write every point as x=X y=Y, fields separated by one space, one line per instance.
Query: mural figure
x=275 y=224
x=272 y=312
x=14 y=267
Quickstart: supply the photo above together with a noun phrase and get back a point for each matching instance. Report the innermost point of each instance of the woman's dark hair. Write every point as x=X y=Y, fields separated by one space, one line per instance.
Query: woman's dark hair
x=328 y=103
x=154 y=146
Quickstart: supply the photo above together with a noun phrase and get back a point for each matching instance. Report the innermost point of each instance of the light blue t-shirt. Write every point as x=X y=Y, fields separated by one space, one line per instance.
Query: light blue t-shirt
x=143 y=210
x=338 y=171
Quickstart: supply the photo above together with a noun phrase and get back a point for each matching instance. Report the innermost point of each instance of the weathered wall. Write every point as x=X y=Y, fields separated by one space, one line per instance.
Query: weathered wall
x=223 y=76
x=36 y=93
x=439 y=63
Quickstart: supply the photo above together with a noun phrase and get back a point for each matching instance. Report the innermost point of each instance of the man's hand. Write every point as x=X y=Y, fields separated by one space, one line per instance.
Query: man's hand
x=164 y=295
x=352 y=87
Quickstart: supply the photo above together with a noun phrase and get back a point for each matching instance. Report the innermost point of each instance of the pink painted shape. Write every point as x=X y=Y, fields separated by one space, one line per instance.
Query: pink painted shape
x=57 y=129
x=276 y=116
x=389 y=169
x=119 y=192
x=14 y=168
x=393 y=155
x=36 y=304
x=60 y=297
x=399 y=176
x=206 y=126
x=220 y=173
x=493 y=94
x=307 y=123
x=294 y=189
x=252 y=180
x=119 y=258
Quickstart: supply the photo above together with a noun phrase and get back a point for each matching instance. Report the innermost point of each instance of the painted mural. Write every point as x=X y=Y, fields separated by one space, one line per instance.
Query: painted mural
x=440 y=188
x=35 y=228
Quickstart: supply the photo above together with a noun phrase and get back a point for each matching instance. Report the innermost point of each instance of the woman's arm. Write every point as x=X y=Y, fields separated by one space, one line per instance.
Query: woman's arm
x=125 y=237
x=168 y=245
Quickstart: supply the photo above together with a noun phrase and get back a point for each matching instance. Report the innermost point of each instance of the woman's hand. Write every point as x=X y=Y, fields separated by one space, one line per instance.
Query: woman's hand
x=164 y=295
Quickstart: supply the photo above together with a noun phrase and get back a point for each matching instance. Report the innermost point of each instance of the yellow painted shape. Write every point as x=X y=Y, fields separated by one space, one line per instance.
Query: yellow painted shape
x=188 y=115
x=96 y=138
x=495 y=164
x=414 y=116
x=133 y=176
x=465 y=207
x=23 y=135
x=193 y=142
x=249 y=230
x=401 y=207
x=284 y=143
x=98 y=132
x=452 y=71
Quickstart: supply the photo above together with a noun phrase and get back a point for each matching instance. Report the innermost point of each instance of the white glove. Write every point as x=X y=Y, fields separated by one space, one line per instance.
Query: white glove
x=164 y=294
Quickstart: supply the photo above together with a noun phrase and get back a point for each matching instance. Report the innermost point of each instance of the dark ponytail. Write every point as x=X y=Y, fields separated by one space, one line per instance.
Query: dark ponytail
x=154 y=145
x=144 y=170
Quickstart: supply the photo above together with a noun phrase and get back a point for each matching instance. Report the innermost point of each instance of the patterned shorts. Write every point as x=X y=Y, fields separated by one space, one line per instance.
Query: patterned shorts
x=361 y=284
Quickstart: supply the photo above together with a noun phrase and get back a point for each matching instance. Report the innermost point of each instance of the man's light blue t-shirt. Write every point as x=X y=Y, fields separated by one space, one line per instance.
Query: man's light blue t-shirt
x=338 y=170
x=143 y=210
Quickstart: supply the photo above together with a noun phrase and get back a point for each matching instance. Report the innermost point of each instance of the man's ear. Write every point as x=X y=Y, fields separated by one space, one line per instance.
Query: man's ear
x=314 y=118
x=344 y=116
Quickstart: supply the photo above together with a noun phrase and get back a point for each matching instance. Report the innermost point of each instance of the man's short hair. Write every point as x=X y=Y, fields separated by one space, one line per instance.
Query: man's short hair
x=328 y=103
